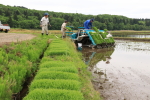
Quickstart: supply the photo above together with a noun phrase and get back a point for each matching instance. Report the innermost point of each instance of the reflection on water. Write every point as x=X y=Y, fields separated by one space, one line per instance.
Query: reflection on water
x=121 y=73
x=133 y=36
x=96 y=55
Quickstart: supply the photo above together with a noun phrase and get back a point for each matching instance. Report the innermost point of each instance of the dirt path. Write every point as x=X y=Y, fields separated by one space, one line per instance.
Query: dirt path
x=13 y=37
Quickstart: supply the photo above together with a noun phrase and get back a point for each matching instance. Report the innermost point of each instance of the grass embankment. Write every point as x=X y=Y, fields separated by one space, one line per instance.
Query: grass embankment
x=18 y=61
x=62 y=75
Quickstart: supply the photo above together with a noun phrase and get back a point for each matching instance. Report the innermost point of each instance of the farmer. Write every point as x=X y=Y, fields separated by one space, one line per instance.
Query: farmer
x=63 y=29
x=88 y=24
x=44 y=23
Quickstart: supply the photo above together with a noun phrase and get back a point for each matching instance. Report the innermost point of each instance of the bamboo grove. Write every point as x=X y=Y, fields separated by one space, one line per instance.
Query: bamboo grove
x=21 y=17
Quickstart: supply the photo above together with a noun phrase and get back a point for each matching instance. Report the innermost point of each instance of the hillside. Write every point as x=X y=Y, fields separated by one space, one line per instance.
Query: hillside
x=22 y=17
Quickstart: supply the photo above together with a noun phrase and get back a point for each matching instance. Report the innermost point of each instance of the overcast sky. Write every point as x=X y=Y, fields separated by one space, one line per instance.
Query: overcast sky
x=128 y=8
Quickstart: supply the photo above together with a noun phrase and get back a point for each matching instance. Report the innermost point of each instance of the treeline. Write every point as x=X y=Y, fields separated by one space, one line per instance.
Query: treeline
x=22 y=17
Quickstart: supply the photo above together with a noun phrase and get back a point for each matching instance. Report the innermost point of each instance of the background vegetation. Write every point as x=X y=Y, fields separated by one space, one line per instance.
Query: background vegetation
x=22 y=17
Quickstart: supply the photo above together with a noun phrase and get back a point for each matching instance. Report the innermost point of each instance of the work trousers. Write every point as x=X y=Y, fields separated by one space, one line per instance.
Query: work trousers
x=63 y=33
x=45 y=29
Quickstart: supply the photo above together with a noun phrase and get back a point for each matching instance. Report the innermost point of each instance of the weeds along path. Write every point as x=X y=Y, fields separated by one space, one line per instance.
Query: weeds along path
x=18 y=61
x=62 y=75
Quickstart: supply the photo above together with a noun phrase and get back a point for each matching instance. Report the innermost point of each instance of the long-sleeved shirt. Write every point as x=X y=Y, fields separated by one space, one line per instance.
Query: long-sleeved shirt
x=88 y=24
x=63 y=27
x=44 y=21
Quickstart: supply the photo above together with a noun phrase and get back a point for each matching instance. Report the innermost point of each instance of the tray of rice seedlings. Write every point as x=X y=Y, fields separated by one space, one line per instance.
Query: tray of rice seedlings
x=50 y=64
x=55 y=84
x=54 y=94
x=96 y=37
x=56 y=75
x=62 y=69
x=68 y=28
x=57 y=50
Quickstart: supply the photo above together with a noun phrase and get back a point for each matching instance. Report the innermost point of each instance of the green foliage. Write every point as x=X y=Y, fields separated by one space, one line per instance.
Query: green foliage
x=55 y=84
x=54 y=94
x=21 y=17
x=56 y=75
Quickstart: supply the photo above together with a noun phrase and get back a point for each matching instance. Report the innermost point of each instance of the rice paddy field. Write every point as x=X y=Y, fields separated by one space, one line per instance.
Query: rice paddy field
x=57 y=69
x=49 y=68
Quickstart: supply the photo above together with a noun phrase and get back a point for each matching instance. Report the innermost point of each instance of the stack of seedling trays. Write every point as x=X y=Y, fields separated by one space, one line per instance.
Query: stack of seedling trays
x=56 y=79
x=100 y=38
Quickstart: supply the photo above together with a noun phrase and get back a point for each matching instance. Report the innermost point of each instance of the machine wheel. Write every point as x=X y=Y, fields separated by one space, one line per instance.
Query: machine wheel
x=6 y=31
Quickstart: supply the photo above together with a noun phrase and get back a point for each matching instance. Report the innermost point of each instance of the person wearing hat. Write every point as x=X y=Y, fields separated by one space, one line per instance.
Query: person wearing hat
x=63 y=29
x=88 y=24
x=44 y=23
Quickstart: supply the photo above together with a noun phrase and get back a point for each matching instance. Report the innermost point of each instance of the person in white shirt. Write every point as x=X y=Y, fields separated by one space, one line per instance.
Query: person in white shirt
x=44 y=23
x=63 y=29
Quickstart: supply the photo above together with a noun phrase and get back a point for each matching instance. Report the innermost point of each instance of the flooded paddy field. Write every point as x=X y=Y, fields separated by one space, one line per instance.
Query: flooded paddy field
x=122 y=72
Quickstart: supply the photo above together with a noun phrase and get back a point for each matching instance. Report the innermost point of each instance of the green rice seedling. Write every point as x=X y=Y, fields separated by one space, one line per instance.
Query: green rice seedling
x=18 y=74
x=96 y=37
x=55 y=84
x=68 y=28
x=95 y=29
x=5 y=92
x=46 y=59
x=56 y=75
x=50 y=64
x=57 y=52
x=62 y=69
x=3 y=57
x=54 y=94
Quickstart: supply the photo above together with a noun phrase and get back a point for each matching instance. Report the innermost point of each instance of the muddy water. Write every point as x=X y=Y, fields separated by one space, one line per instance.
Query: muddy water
x=133 y=36
x=122 y=72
